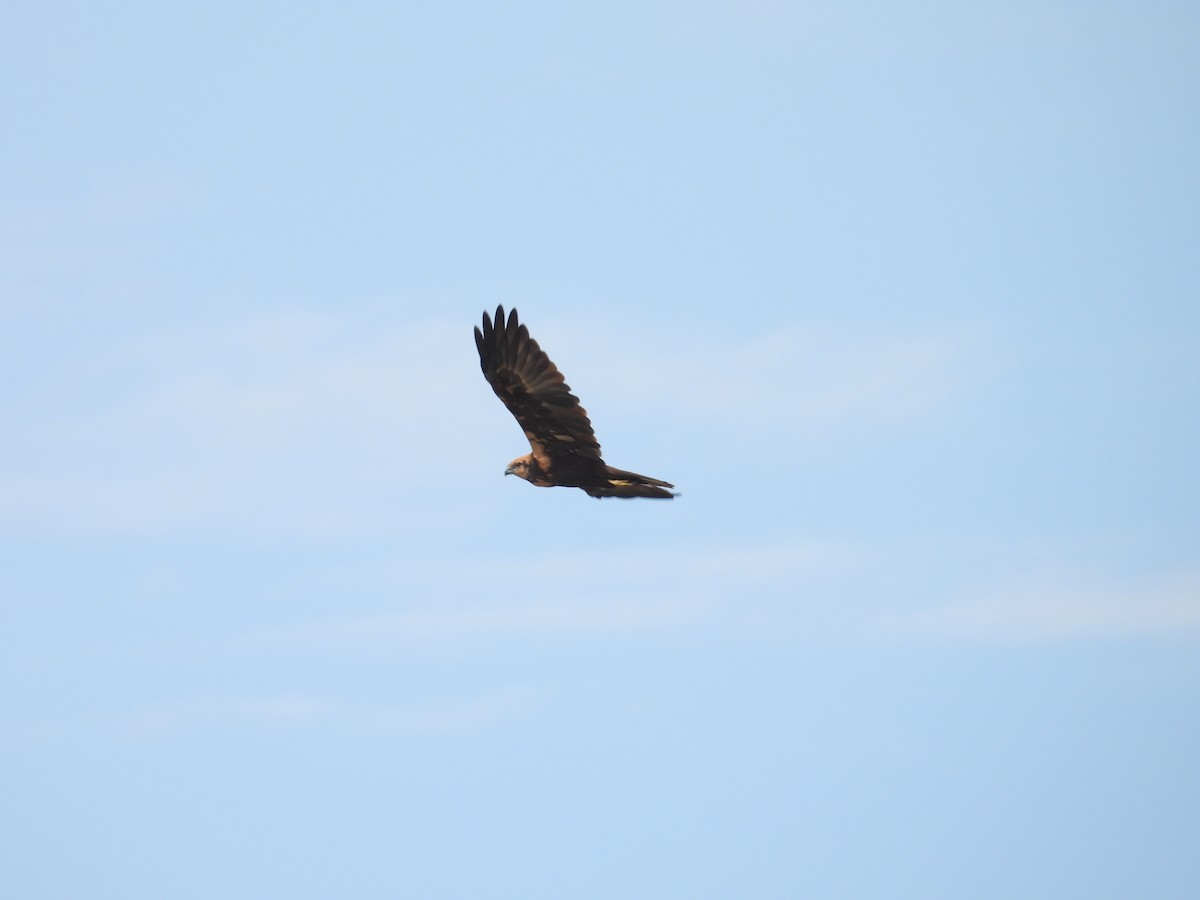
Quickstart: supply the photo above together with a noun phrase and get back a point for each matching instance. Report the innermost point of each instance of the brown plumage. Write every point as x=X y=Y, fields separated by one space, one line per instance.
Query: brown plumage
x=564 y=449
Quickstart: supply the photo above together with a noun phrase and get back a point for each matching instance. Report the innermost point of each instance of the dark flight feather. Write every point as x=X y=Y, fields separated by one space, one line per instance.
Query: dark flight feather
x=564 y=449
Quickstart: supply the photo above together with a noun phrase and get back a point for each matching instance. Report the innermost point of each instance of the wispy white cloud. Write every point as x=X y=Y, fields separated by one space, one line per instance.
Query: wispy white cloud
x=286 y=419
x=185 y=715
x=506 y=597
x=458 y=621
x=204 y=712
x=694 y=566
x=1060 y=608
x=327 y=712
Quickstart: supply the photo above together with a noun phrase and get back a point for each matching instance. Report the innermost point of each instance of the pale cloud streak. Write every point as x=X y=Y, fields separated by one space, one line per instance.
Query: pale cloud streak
x=545 y=599
x=418 y=717
x=357 y=714
x=288 y=418
x=456 y=622
x=1059 y=608
x=742 y=563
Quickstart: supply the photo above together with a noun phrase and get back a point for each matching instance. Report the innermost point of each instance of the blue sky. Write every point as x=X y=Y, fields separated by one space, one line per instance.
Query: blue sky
x=902 y=297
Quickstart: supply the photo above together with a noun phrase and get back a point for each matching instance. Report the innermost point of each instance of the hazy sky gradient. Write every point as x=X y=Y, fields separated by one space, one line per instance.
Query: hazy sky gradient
x=902 y=297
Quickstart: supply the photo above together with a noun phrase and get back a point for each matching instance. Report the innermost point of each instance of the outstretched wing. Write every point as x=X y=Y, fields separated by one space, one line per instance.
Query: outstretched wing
x=534 y=391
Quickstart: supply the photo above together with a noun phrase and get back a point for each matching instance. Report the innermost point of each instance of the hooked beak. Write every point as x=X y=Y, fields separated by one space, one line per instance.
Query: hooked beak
x=508 y=471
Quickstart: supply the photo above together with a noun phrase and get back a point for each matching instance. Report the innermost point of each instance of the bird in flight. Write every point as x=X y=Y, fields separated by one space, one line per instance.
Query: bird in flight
x=565 y=451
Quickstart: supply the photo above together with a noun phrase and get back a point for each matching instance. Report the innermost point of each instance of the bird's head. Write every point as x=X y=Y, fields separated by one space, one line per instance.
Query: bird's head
x=519 y=467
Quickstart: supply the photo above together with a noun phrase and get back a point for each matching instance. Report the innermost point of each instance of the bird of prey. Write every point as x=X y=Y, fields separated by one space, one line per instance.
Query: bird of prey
x=564 y=450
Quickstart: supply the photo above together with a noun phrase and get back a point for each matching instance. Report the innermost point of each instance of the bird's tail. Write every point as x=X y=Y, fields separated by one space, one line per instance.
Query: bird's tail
x=629 y=484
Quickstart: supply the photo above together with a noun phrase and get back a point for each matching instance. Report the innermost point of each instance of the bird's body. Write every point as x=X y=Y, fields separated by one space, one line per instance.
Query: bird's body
x=564 y=450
